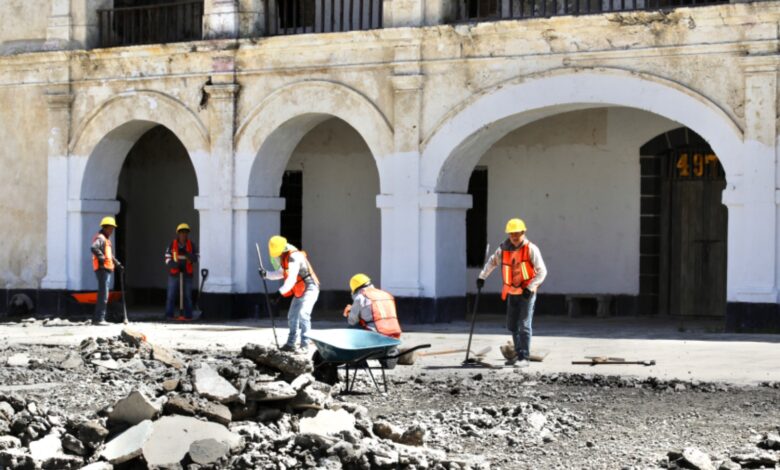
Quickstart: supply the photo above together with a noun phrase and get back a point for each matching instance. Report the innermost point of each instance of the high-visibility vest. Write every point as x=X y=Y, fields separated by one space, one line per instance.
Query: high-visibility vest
x=517 y=271
x=175 y=254
x=300 y=284
x=108 y=253
x=384 y=312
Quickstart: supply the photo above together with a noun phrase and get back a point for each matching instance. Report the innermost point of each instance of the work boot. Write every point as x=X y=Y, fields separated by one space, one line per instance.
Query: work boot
x=288 y=348
x=511 y=362
x=100 y=323
x=304 y=349
x=521 y=364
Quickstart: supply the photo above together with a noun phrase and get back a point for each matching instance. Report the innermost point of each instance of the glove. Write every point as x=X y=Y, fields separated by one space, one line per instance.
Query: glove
x=119 y=265
x=480 y=283
x=276 y=298
x=262 y=272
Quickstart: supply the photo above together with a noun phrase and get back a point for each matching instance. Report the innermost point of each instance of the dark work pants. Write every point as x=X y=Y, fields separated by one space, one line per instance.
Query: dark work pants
x=104 y=277
x=519 y=316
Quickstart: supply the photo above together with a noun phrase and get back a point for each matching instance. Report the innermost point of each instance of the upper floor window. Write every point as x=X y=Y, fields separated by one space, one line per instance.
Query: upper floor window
x=135 y=22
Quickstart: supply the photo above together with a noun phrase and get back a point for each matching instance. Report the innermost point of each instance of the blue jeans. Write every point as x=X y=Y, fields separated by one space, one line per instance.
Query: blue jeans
x=519 y=316
x=171 y=303
x=299 y=316
x=104 y=278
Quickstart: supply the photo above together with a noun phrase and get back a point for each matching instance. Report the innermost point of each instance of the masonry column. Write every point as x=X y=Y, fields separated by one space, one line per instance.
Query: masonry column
x=752 y=201
x=256 y=220
x=58 y=100
x=215 y=200
x=220 y=19
x=58 y=30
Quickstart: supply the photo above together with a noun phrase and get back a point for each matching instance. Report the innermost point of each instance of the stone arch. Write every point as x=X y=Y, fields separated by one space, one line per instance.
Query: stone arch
x=267 y=137
x=455 y=145
x=103 y=139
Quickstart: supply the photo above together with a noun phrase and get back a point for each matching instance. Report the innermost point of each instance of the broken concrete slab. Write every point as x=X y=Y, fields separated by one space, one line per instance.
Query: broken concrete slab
x=72 y=444
x=216 y=412
x=288 y=363
x=327 y=423
x=46 y=448
x=9 y=442
x=71 y=361
x=172 y=437
x=6 y=410
x=107 y=363
x=697 y=459
x=129 y=444
x=92 y=433
x=19 y=360
x=270 y=391
x=134 y=408
x=210 y=384
x=98 y=466
x=170 y=385
x=208 y=451
x=166 y=356
x=180 y=405
x=132 y=337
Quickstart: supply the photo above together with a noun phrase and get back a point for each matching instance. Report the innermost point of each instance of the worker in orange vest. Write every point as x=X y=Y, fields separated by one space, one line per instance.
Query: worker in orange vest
x=372 y=309
x=522 y=272
x=300 y=282
x=103 y=263
x=180 y=258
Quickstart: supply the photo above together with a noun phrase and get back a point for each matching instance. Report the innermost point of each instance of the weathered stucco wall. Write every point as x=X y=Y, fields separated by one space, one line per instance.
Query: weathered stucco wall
x=574 y=179
x=22 y=23
x=23 y=187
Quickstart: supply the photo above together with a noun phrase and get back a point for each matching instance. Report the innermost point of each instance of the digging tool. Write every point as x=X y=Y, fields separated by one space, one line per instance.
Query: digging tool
x=181 y=294
x=508 y=351
x=122 y=287
x=613 y=360
x=410 y=359
x=204 y=274
x=474 y=314
x=267 y=297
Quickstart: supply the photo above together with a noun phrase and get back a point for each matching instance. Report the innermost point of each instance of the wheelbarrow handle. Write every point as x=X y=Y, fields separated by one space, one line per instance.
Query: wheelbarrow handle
x=410 y=350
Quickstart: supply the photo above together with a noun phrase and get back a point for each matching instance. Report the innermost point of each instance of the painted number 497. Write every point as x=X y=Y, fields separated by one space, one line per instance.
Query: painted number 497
x=687 y=165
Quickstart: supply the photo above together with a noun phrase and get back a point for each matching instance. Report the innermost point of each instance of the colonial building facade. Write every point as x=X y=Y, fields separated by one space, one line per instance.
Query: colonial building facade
x=637 y=139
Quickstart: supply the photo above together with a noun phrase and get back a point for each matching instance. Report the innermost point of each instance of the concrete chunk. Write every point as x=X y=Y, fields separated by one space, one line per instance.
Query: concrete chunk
x=134 y=408
x=208 y=451
x=46 y=448
x=211 y=385
x=270 y=391
x=327 y=422
x=166 y=356
x=173 y=435
x=129 y=444
x=288 y=363
x=19 y=360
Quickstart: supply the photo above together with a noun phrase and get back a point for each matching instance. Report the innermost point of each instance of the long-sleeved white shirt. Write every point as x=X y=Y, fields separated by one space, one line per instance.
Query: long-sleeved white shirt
x=297 y=264
x=536 y=259
x=361 y=308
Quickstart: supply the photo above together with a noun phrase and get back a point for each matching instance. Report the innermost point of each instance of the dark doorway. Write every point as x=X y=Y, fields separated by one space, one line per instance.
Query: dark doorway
x=683 y=228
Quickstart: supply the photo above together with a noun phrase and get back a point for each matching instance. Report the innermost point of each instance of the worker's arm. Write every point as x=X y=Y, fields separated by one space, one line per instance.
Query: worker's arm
x=169 y=257
x=493 y=262
x=195 y=254
x=541 y=269
x=98 y=247
x=296 y=259
x=274 y=275
x=358 y=305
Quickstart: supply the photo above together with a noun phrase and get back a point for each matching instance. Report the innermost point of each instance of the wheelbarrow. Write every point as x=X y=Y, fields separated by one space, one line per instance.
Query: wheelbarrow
x=353 y=348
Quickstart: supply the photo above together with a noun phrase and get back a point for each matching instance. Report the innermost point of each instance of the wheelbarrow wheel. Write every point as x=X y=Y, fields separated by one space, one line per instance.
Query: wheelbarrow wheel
x=325 y=372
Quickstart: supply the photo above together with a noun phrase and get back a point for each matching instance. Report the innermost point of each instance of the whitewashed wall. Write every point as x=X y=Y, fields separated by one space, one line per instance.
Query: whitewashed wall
x=341 y=230
x=574 y=179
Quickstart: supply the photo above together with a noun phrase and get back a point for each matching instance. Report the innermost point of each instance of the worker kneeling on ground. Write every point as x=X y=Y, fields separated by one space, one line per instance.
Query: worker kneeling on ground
x=372 y=309
x=522 y=272
x=180 y=257
x=300 y=281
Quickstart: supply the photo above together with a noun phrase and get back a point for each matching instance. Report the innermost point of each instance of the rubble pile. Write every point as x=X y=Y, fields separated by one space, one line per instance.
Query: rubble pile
x=262 y=408
x=764 y=452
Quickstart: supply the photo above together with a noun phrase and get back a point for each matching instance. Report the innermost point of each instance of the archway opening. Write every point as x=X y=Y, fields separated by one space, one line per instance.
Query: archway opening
x=576 y=178
x=330 y=186
x=156 y=190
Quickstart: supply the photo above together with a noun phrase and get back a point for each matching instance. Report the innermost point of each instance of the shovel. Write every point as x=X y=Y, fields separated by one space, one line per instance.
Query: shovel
x=471 y=361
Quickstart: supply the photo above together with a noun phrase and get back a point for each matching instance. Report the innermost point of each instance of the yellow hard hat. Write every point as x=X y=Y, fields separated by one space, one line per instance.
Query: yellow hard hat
x=276 y=246
x=358 y=281
x=108 y=221
x=183 y=226
x=515 y=225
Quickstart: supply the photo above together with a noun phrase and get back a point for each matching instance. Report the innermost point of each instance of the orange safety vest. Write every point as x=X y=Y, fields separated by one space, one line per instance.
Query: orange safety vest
x=384 y=312
x=175 y=255
x=516 y=268
x=300 y=285
x=108 y=253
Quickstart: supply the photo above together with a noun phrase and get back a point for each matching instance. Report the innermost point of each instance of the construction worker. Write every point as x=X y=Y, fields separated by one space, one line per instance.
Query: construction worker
x=103 y=263
x=300 y=281
x=522 y=272
x=180 y=257
x=372 y=309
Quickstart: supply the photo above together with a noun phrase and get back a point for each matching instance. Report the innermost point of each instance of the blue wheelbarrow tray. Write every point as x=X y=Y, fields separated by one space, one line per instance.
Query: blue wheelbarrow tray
x=346 y=345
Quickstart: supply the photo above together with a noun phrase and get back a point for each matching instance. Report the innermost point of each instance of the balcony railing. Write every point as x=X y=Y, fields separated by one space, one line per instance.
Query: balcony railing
x=152 y=24
x=321 y=16
x=494 y=10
